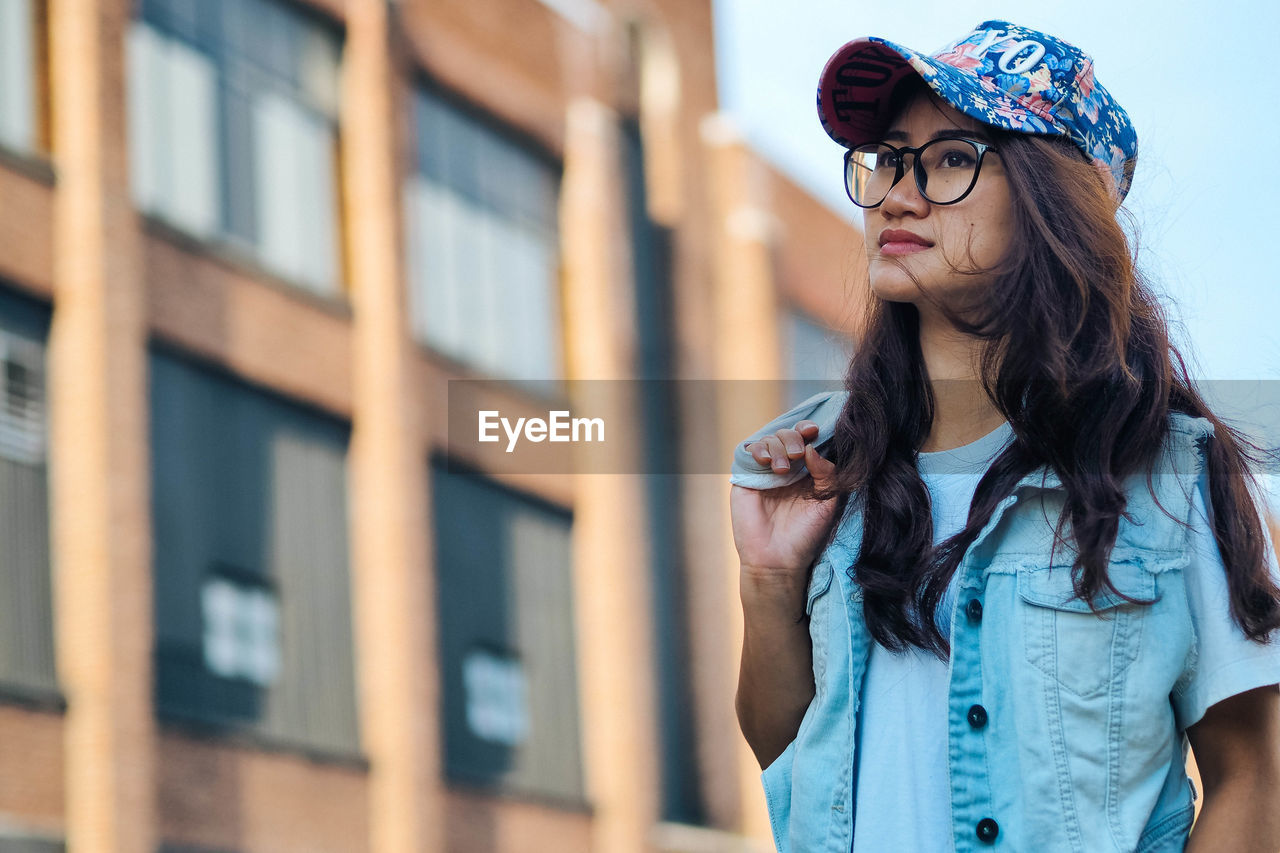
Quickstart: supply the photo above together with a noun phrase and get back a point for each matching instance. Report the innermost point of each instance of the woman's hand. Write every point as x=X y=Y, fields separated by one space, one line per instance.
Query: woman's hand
x=777 y=531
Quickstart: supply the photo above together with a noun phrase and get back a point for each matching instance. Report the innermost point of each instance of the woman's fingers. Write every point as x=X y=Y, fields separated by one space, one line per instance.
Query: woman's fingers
x=769 y=451
x=808 y=429
x=778 y=453
x=821 y=469
x=792 y=443
x=785 y=444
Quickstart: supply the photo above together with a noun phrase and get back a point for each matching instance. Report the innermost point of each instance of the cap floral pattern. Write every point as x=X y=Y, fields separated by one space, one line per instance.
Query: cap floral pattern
x=1001 y=74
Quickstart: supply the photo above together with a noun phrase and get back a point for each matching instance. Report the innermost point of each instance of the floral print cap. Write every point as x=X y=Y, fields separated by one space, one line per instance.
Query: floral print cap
x=1001 y=74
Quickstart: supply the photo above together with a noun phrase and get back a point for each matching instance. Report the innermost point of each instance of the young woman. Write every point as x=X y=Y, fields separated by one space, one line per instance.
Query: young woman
x=995 y=587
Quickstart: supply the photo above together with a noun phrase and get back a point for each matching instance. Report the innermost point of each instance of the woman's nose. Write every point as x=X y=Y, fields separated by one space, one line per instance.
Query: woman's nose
x=904 y=196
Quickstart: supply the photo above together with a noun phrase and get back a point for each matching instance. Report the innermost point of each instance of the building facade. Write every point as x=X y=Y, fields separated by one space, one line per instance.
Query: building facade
x=258 y=597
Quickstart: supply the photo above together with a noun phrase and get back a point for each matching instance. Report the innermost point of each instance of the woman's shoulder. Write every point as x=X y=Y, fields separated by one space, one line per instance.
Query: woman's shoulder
x=1159 y=502
x=1190 y=425
x=822 y=408
x=1186 y=445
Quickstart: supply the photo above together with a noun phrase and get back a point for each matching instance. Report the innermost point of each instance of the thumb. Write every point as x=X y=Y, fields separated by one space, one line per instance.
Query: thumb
x=821 y=469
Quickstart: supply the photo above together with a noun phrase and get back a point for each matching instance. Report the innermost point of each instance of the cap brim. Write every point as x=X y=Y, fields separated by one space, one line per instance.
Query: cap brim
x=858 y=81
x=855 y=86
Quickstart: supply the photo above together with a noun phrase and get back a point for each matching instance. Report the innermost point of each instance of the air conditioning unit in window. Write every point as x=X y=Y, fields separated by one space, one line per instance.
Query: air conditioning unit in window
x=241 y=629
x=22 y=399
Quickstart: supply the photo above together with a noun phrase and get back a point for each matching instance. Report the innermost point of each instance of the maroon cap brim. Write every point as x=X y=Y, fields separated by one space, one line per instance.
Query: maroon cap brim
x=855 y=87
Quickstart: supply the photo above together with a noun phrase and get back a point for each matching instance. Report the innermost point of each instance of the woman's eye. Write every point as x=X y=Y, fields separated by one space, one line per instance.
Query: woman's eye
x=957 y=160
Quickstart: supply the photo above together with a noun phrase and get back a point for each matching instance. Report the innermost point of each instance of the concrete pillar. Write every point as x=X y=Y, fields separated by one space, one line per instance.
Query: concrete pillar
x=610 y=558
x=393 y=595
x=99 y=459
x=747 y=348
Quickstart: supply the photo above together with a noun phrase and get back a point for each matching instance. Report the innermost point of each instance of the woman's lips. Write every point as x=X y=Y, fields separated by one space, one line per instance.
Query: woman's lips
x=899 y=241
x=902 y=248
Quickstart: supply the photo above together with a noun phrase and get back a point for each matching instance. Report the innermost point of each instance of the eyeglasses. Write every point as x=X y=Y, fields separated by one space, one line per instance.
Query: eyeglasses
x=945 y=170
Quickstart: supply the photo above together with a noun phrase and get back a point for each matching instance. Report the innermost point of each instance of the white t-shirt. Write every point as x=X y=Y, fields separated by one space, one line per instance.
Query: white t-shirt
x=901 y=758
x=902 y=790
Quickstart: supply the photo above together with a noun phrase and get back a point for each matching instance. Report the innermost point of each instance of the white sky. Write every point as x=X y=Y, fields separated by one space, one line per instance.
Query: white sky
x=1195 y=77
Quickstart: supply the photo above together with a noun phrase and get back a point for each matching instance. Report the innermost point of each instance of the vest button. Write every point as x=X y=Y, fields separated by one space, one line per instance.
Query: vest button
x=977 y=716
x=988 y=829
x=974 y=610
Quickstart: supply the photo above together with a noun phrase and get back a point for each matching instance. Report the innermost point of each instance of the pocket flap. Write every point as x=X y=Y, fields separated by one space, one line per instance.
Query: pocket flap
x=819 y=583
x=1051 y=587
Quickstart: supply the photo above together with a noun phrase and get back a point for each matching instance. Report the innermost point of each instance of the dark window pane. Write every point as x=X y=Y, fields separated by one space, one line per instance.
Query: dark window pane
x=184 y=17
x=505 y=612
x=246 y=486
x=239 y=28
x=450 y=145
x=26 y=603
x=277 y=50
x=187 y=19
x=681 y=799
x=155 y=12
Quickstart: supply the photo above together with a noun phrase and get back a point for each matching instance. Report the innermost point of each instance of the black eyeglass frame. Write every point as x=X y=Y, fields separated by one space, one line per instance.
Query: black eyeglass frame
x=916 y=169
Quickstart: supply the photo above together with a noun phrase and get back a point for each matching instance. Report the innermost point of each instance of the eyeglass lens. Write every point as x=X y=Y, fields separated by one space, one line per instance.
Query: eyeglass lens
x=945 y=171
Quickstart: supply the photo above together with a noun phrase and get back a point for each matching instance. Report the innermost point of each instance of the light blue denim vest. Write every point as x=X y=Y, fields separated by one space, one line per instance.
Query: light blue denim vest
x=1076 y=746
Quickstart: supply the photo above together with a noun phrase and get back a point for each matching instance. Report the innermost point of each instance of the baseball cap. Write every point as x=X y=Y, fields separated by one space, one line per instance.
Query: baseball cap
x=1000 y=74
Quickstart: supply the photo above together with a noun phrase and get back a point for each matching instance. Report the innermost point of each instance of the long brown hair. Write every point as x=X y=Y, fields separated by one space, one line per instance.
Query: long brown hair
x=1088 y=393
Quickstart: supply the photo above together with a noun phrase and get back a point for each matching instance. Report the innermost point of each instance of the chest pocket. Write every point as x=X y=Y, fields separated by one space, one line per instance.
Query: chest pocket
x=1083 y=650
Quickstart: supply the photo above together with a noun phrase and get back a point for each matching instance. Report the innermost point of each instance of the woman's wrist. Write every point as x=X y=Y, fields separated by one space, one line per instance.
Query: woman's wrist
x=772 y=590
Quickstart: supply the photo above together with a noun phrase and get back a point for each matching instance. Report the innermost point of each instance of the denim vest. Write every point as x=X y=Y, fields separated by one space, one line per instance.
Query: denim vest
x=1061 y=732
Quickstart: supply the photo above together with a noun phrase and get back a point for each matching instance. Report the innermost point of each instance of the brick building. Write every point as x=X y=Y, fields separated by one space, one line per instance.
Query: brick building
x=249 y=602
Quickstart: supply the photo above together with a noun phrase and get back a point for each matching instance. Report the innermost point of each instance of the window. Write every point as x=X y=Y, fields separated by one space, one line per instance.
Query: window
x=252 y=577
x=505 y=617
x=233 y=129
x=483 y=245
x=18 y=126
x=816 y=357
x=26 y=600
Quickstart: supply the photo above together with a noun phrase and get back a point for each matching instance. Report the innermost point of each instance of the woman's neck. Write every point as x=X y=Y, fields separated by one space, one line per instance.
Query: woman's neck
x=963 y=413
x=961 y=423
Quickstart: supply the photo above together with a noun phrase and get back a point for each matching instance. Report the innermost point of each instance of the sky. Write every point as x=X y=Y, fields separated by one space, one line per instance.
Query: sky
x=1195 y=78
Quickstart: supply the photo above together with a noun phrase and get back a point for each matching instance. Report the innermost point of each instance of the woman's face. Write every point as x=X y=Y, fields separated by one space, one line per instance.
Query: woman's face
x=970 y=234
